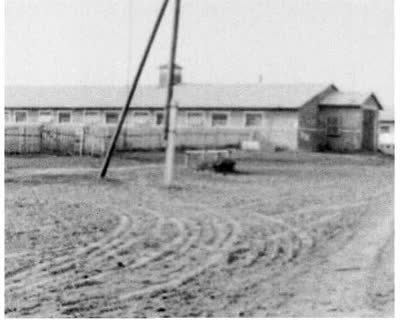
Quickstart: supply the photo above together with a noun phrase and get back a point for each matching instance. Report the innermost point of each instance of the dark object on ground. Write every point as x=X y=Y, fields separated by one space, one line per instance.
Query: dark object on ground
x=280 y=149
x=121 y=265
x=224 y=165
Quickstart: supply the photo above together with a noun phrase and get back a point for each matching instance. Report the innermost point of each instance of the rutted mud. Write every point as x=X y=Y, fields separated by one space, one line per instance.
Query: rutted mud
x=212 y=248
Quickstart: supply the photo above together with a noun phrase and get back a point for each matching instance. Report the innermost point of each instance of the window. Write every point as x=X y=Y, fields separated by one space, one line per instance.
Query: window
x=385 y=129
x=219 y=119
x=64 y=117
x=7 y=116
x=45 y=116
x=253 y=120
x=333 y=126
x=111 y=117
x=78 y=116
x=141 y=117
x=195 y=119
x=20 y=116
x=181 y=119
x=159 y=118
x=92 y=116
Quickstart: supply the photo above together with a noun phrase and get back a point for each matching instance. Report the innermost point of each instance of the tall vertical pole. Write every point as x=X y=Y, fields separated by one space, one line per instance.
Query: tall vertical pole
x=170 y=152
x=124 y=112
x=171 y=114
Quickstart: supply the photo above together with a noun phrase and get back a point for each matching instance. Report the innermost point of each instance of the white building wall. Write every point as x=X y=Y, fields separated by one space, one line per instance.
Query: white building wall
x=278 y=127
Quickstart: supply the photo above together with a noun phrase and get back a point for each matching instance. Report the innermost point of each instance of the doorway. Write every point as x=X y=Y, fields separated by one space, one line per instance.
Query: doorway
x=369 y=130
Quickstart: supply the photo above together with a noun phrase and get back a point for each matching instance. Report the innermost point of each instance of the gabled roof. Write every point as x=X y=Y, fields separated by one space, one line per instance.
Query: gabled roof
x=279 y=96
x=347 y=99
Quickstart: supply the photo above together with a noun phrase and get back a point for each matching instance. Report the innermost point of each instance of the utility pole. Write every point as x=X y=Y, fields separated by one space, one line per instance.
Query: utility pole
x=170 y=129
x=170 y=152
x=133 y=89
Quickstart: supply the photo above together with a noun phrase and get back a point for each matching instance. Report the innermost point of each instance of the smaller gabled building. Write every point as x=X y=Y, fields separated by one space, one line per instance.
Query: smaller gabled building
x=346 y=122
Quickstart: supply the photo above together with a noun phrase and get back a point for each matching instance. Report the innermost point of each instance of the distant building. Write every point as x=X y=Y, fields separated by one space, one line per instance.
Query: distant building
x=386 y=123
x=351 y=121
x=386 y=132
x=295 y=116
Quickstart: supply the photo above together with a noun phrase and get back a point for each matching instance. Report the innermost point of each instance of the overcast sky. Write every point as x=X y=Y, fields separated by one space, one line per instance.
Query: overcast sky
x=347 y=42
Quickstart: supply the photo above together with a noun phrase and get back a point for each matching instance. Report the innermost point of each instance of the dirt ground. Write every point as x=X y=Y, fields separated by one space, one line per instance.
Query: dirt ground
x=289 y=235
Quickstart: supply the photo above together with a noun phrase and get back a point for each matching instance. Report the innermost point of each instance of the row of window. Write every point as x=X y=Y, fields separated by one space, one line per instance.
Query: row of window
x=193 y=118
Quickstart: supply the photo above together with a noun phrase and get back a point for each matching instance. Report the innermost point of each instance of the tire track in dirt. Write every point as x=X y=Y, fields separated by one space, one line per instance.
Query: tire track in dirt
x=63 y=263
x=273 y=253
x=212 y=260
x=303 y=238
x=135 y=264
x=105 y=252
x=292 y=235
x=190 y=256
x=278 y=238
x=41 y=271
x=65 y=224
x=190 y=275
x=205 y=235
x=141 y=262
x=33 y=253
x=293 y=243
x=379 y=293
x=312 y=239
x=182 y=251
x=172 y=278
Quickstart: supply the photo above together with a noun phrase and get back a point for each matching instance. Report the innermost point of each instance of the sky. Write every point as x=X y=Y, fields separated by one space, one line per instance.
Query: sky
x=100 y=42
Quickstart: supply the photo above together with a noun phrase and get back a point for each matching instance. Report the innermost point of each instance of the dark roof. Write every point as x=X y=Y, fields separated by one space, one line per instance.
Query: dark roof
x=274 y=96
x=347 y=99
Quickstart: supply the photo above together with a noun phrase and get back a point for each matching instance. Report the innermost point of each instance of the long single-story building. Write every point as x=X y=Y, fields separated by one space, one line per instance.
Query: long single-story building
x=294 y=116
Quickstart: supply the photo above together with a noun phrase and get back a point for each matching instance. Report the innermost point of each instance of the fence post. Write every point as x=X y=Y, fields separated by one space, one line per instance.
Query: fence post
x=92 y=140
x=160 y=138
x=40 y=138
x=103 y=143
x=124 y=138
x=21 y=140
x=56 y=148
x=82 y=141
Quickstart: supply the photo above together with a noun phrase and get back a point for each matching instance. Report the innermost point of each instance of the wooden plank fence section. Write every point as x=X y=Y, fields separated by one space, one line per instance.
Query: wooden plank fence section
x=22 y=139
x=94 y=140
x=63 y=139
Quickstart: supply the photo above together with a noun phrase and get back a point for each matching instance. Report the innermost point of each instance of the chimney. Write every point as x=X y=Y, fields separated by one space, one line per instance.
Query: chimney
x=177 y=77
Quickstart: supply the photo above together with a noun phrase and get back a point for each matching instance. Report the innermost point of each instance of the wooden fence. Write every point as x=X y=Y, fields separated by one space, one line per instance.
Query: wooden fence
x=94 y=140
x=22 y=139
x=63 y=139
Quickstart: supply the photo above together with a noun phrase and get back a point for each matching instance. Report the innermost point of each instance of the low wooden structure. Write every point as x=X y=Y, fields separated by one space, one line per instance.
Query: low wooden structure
x=203 y=155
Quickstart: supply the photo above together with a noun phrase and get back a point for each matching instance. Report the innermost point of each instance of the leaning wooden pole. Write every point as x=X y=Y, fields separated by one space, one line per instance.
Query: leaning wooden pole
x=170 y=116
x=124 y=112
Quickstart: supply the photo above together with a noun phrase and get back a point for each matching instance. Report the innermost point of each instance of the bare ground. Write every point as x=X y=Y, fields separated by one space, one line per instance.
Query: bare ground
x=292 y=235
